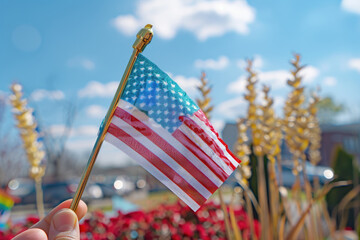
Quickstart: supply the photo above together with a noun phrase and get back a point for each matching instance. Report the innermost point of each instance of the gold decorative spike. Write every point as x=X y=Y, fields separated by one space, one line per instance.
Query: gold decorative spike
x=253 y=118
x=27 y=125
x=271 y=146
x=271 y=137
x=315 y=133
x=205 y=90
x=242 y=150
x=255 y=123
x=296 y=118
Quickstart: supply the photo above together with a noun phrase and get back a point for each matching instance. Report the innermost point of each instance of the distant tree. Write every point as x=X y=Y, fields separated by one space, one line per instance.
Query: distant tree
x=58 y=157
x=344 y=170
x=328 y=110
x=55 y=144
x=69 y=165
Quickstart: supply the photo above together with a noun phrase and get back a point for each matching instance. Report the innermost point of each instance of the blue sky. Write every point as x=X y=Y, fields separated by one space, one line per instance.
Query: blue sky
x=75 y=52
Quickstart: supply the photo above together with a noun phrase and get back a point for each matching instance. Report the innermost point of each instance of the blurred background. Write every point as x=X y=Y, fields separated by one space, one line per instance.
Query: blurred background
x=70 y=56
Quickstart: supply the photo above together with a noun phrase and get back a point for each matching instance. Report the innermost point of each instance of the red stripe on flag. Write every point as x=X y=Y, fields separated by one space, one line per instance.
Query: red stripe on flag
x=156 y=162
x=200 y=115
x=207 y=139
x=191 y=146
x=166 y=147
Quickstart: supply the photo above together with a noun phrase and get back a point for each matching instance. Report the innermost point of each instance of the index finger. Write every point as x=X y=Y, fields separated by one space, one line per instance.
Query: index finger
x=44 y=223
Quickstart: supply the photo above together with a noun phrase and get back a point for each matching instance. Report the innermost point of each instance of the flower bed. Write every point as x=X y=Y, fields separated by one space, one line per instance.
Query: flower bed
x=175 y=221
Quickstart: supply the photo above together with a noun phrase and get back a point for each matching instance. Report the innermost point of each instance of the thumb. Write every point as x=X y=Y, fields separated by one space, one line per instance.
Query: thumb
x=64 y=225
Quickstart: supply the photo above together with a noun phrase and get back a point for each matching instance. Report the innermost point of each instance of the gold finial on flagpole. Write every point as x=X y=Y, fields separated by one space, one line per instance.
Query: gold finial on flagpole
x=143 y=38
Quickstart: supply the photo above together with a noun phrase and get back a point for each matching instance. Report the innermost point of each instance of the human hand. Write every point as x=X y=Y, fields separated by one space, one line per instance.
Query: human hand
x=60 y=223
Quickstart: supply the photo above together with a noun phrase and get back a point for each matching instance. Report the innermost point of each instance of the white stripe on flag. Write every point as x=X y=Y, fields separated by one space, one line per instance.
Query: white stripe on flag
x=215 y=138
x=187 y=131
x=153 y=170
x=162 y=155
x=170 y=139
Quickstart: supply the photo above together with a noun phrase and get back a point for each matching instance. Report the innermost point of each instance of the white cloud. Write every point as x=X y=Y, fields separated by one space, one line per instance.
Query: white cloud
x=80 y=145
x=351 y=6
x=108 y=155
x=81 y=62
x=201 y=17
x=237 y=86
x=97 y=89
x=127 y=24
x=189 y=85
x=41 y=94
x=56 y=130
x=232 y=109
x=278 y=78
x=219 y=64
x=309 y=74
x=275 y=79
x=112 y=156
x=81 y=140
x=258 y=62
x=354 y=63
x=279 y=102
x=85 y=131
x=329 y=81
x=95 y=111
x=88 y=64
x=278 y=105
x=82 y=131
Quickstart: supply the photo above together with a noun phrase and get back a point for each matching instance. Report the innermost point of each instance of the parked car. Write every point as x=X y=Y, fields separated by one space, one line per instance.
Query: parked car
x=117 y=186
x=53 y=193
x=322 y=173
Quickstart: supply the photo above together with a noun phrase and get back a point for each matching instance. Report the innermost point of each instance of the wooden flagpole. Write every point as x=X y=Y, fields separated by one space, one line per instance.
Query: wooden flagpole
x=143 y=38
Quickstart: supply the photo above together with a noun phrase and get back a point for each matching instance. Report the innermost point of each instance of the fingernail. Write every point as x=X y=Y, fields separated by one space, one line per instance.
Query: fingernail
x=64 y=220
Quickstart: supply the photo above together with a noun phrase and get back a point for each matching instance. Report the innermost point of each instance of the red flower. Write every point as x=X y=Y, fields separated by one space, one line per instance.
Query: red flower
x=188 y=229
x=136 y=216
x=32 y=219
x=176 y=221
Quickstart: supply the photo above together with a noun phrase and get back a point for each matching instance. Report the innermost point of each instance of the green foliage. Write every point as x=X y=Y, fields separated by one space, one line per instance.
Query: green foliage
x=358 y=226
x=328 y=109
x=343 y=170
x=343 y=164
x=253 y=180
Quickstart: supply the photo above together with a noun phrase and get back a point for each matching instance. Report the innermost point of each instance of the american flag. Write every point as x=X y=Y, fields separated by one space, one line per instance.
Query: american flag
x=159 y=126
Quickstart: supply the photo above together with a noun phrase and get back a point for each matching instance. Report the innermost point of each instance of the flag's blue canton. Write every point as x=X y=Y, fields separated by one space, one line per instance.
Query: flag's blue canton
x=156 y=94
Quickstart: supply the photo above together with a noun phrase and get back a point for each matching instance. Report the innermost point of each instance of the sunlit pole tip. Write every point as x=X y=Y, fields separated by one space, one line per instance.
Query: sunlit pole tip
x=143 y=38
x=148 y=26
